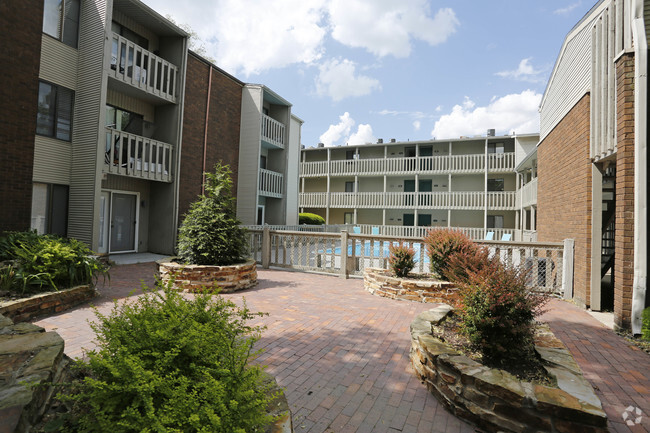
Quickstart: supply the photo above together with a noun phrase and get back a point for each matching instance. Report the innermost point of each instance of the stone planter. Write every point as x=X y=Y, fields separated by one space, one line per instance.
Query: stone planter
x=195 y=278
x=47 y=303
x=497 y=401
x=381 y=282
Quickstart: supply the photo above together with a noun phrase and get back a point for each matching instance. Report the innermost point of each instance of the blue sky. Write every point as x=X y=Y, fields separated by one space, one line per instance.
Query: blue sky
x=359 y=70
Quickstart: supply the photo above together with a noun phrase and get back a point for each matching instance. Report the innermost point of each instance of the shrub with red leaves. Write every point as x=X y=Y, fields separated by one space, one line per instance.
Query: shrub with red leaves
x=442 y=244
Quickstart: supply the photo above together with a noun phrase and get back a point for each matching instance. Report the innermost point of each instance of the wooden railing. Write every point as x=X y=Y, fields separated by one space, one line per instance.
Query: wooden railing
x=143 y=69
x=548 y=266
x=136 y=156
x=467 y=200
x=273 y=131
x=474 y=163
x=271 y=184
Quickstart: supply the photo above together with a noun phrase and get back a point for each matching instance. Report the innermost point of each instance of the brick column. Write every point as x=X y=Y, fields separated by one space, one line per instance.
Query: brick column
x=624 y=237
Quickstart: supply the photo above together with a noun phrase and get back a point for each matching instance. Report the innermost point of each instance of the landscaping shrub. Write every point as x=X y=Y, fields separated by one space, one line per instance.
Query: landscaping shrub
x=442 y=244
x=211 y=234
x=166 y=363
x=645 y=326
x=470 y=260
x=310 y=218
x=30 y=262
x=401 y=260
x=498 y=311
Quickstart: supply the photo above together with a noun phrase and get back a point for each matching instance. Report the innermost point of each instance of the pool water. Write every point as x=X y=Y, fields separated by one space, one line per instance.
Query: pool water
x=379 y=249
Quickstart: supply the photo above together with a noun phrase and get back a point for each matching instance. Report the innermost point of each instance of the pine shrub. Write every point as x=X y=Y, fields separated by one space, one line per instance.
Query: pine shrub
x=310 y=218
x=166 y=363
x=442 y=244
x=401 y=260
x=645 y=327
x=211 y=234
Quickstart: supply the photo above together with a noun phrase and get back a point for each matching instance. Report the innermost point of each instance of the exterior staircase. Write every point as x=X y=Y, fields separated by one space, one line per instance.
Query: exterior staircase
x=609 y=220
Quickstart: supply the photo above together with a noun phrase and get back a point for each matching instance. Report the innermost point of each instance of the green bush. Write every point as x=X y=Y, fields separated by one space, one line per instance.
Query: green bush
x=211 y=234
x=442 y=244
x=401 y=260
x=165 y=363
x=310 y=218
x=645 y=327
x=35 y=263
x=498 y=311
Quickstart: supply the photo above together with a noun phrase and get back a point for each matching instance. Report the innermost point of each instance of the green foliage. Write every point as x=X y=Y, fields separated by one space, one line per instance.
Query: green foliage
x=35 y=263
x=211 y=234
x=165 y=363
x=645 y=327
x=497 y=312
x=401 y=260
x=310 y=218
x=442 y=244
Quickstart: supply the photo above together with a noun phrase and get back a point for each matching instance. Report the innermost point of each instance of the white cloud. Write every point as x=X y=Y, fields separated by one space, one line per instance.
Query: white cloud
x=514 y=112
x=416 y=125
x=338 y=80
x=524 y=72
x=341 y=133
x=386 y=27
x=568 y=9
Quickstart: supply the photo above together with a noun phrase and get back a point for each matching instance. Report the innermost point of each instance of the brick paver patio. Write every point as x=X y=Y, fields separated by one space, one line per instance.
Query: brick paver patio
x=342 y=354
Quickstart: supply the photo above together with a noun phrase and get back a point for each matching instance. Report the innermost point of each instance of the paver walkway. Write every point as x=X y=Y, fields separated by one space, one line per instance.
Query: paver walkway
x=342 y=354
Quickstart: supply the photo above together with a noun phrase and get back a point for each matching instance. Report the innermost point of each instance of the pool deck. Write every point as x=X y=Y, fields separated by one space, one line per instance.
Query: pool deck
x=342 y=354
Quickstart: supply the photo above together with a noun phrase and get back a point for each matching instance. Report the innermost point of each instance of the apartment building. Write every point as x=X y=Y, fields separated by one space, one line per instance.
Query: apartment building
x=269 y=154
x=95 y=114
x=467 y=183
x=592 y=157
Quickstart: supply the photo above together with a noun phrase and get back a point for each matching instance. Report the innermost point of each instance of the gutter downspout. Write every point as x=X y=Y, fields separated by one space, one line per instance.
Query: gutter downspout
x=205 y=132
x=640 y=165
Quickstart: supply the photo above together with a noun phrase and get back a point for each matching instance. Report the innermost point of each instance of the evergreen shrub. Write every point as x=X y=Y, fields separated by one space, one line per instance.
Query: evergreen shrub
x=441 y=244
x=645 y=327
x=211 y=234
x=310 y=218
x=401 y=260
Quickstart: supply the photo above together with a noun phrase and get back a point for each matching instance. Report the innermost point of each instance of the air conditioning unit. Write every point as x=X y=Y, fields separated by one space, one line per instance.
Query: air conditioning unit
x=380 y=140
x=320 y=145
x=491 y=132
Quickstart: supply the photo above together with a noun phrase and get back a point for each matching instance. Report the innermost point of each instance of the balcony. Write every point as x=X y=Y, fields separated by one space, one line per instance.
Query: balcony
x=273 y=132
x=135 y=156
x=527 y=194
x=271 y=184
x=503 y=162
x=133 y=65
x=503 y=200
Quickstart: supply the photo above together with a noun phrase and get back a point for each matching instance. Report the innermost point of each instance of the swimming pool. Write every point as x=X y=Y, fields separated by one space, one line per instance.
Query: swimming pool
x=379 y=249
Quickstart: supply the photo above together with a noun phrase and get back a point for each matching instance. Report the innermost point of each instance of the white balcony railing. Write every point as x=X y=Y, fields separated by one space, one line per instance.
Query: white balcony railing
x=143 y=69
x=273 y=131
x=528 y=194
x=136 y=156
x=271 y=184
x=474 y=163
x=504 y=200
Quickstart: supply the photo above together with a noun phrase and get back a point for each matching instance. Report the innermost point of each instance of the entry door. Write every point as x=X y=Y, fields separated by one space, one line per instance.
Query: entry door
x=408 y=219
x=409 y=187
x=123 y=222
x=260 y=215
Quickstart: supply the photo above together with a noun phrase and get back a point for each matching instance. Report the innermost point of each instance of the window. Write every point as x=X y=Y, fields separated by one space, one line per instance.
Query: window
x=496 y=148
x=351 y=154
x=424 y=220
x=50 y=208
x=263 y=162
x=495 y=221
x=61 y=20
x=349 y=186
x=495 y=184
x=348 y=218
x=55 y=105
x=409 y=152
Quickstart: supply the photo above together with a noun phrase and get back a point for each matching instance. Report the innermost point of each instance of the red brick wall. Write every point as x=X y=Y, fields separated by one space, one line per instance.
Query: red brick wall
x=624 y=213
x=564 y=192
x=223 y=128
x=21 y=25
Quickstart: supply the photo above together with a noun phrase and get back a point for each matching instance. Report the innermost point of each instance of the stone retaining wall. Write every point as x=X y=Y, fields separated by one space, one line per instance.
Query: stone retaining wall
x=195 y=278
x=497 y=401
x=380 y=282
x=42 y=304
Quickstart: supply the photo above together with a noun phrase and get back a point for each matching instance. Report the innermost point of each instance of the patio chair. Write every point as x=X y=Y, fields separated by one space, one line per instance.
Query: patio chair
x=356 y=230
x=506 y=237
x=375 y=230
x=489 y=236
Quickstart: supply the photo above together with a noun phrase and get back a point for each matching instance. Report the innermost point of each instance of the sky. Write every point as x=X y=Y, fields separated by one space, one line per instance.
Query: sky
x=359 y=70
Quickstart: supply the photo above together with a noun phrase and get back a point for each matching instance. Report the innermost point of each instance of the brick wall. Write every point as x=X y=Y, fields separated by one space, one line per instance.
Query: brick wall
x=624 y=213
x=564 y=192
x=223 y=128
x=20 y=32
